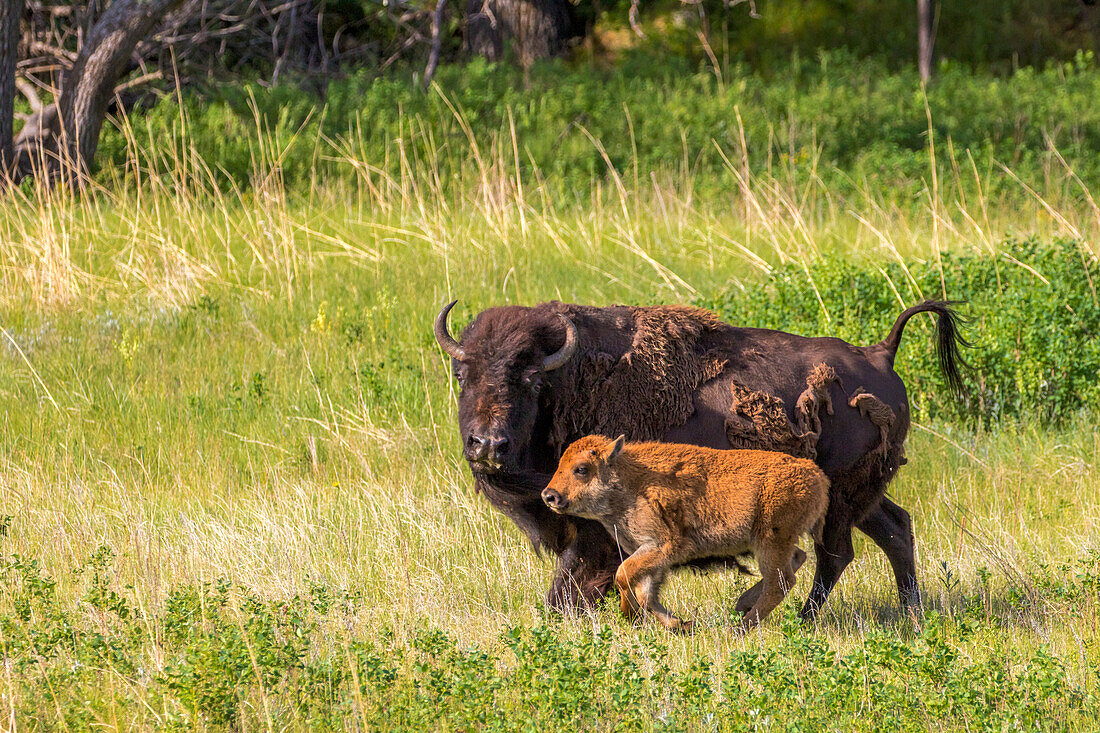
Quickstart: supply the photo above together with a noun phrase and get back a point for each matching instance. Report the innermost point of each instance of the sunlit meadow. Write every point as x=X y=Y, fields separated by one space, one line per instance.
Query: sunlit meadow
x=232 y=495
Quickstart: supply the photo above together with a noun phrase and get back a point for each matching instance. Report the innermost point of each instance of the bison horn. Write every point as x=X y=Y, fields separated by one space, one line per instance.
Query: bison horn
x=443 y=336
x=565 y=353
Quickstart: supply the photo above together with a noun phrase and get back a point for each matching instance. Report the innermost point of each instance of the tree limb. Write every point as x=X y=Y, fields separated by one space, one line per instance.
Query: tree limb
x=632 y=17
x=29 y=93
x=47 y=49
x=138 y=81
x=437 y=42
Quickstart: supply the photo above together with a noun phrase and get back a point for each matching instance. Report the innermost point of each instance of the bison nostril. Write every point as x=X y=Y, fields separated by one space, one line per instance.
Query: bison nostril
x=500 y=446
x=476 y=447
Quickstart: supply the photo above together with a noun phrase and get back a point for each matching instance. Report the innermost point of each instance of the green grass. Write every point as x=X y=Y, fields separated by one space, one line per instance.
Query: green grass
x=237 y=394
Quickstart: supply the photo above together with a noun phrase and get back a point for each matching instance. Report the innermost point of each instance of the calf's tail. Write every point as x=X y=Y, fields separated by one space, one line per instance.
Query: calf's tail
x=817 y=529
x=949 y=339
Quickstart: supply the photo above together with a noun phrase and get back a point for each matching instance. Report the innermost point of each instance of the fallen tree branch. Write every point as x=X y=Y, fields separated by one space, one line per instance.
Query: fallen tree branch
x=29 y=93
x=138 y=81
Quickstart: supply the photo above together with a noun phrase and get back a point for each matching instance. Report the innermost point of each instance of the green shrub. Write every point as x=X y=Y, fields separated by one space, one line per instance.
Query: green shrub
x=230 y=660
x=849 y=122
x=1033 y=318
x=982 y=32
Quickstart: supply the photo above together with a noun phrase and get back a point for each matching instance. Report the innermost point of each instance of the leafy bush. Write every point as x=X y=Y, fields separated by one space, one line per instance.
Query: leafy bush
x=1033 y=311
x=218 y=657
x=984 y=32
x=846 y=120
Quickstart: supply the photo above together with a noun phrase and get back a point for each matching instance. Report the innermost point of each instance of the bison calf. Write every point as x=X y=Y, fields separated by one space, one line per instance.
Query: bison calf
x=668 y=504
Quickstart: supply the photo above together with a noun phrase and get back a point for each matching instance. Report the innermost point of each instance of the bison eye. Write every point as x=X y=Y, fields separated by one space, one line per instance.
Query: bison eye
x=532 y=382
x=580 y=471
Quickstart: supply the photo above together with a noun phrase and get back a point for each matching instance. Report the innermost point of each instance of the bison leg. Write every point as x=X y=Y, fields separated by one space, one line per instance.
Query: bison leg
x=586 y=568
x=891 y=528
x=834 y=553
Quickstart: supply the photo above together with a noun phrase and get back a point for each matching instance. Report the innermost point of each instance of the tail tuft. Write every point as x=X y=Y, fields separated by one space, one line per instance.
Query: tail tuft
x=949 y=339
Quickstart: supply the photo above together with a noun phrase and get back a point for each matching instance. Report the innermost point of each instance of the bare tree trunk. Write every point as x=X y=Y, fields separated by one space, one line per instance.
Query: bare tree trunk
x=60 y=139
x=925 y=37
x=537 y=29
x=437 y=43
x=10 y=13
x=87 y=88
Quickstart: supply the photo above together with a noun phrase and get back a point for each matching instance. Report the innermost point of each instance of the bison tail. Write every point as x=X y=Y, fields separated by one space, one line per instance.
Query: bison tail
x=949 y=339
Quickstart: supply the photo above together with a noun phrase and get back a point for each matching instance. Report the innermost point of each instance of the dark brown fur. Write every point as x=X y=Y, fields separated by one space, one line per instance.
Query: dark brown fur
x=668 y=373
x=759 y=420
x=877 y=412
x=648 y=388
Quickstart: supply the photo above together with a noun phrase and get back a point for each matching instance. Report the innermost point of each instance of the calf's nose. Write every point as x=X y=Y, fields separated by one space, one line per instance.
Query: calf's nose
x=554 y=500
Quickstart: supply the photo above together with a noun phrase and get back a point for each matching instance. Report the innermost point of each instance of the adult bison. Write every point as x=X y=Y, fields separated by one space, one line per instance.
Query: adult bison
x=534 y=379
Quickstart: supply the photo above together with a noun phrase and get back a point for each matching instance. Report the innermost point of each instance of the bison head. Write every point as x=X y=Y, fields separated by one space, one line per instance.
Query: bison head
x=501 y=366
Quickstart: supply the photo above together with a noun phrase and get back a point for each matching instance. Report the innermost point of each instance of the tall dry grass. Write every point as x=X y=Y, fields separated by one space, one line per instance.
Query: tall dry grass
x=168 y=235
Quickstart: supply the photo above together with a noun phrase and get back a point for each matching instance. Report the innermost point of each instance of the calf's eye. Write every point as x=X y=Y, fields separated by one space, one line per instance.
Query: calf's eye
x=580 y=471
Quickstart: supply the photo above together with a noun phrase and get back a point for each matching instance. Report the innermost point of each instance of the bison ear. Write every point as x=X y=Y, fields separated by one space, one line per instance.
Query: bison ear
x=616 y=448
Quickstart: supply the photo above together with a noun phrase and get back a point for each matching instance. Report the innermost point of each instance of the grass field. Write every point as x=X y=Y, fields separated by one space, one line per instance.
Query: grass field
x=232 y=495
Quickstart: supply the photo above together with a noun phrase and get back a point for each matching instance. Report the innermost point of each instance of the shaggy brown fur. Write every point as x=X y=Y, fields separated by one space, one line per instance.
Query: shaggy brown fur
x=877 y=412
x=648 y=389
x=811 y=402
x=668 y=503
x=759 y=420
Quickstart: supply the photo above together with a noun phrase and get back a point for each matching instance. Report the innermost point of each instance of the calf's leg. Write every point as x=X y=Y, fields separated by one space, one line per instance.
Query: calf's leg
x=777 y=579
x=749 y=598
x=639 y=581
x=628 y=603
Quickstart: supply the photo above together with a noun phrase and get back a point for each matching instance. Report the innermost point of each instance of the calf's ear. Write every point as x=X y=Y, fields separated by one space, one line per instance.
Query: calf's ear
x=616 y=448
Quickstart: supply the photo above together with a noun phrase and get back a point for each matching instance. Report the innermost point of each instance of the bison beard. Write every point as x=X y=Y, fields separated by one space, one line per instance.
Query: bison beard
x=678 y=373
